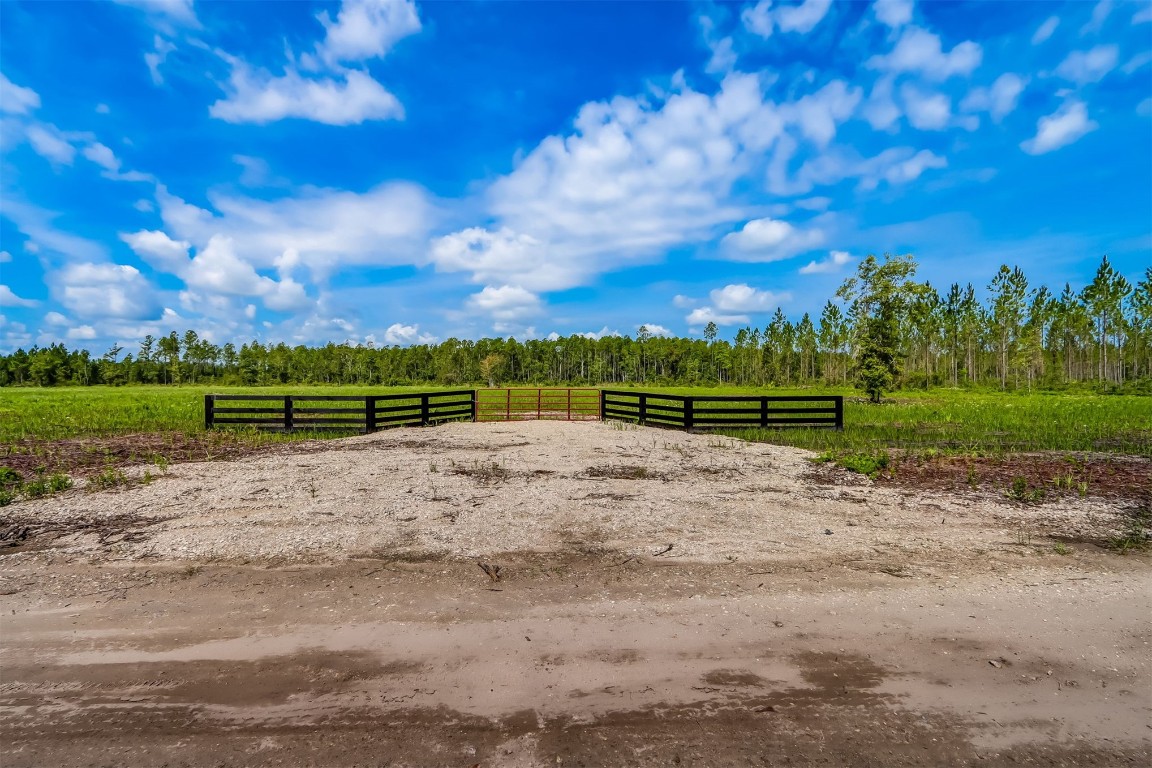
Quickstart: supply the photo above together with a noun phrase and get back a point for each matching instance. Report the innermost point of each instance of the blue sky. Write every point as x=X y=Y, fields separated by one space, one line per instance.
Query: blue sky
x=393 y=172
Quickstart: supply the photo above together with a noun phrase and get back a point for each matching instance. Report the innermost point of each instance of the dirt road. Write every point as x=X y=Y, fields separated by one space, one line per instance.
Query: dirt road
x=903 y=637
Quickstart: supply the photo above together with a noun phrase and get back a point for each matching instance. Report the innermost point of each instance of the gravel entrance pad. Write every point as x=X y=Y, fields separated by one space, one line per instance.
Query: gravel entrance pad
x=574 y=594
x=477 y=490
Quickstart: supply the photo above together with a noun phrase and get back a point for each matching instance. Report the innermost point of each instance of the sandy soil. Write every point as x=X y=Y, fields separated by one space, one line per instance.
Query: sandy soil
x=663 y=599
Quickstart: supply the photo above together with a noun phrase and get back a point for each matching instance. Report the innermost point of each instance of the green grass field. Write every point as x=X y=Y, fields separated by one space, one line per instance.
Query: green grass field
x=943 y=421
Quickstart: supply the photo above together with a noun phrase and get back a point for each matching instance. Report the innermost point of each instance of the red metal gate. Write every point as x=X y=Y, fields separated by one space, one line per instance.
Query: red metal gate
x=522 y=403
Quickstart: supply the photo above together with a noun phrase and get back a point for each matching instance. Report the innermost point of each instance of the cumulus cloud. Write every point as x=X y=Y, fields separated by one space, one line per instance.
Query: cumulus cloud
x=502 y=256
x=765 y=240
x=505 y=302
x=744 y=298
x=161 y=47
x=1063 y=127
x=1089 y=66
x=82 y=333
x=366 y=29
x=704 y=315
x=927 y=111
x=999 y=99
x=51 y=144
x=218 y=269
x=326 y=228
x=102 y=156
x=835 y=260
x=327 y=91
x=347 y=99
x=880 y=110
x=818 y=114
x=178 y=11
x=894 y=13
x=1045 y=30
x=94 y=290
x=653 y=329
x=10 y=299
x=159 y=250
x=919 y=51
x=404 y=335
x=761 y=19
x=681 y=301
x=894 y=166
x=16 y=100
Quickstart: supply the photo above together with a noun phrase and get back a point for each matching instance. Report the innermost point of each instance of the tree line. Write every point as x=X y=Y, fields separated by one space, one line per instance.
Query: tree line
x=882 y=330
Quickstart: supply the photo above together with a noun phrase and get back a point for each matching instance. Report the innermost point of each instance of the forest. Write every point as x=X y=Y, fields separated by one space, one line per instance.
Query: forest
x=1019 y=336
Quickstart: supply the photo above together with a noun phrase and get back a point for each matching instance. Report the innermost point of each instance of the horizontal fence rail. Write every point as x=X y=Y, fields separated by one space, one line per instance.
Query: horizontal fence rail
x=337 y=413
x=723 y=411
x=555 y=403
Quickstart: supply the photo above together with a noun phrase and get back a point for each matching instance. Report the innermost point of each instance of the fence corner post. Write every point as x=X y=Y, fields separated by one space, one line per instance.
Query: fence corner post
x=603 y=398
x=688 y=416
x=288 y=413
x=475 y=400
x=840 y=413
x=369 y=414
x=642 y=409
x=209 y=411
x=424 y=410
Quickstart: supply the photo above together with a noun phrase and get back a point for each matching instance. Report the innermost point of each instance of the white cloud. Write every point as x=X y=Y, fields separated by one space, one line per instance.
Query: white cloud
x=654 y=329
x=1100 y=14
x=926 y=111
x=105 y=290
x=744 y=298
x=51 y=144
x=403 y=335
x=159 y=250
x=919 y=51
x=998 y=100
x=179 y=11
x=894 y=13
x=157 y=56
x=819 y=113
x=331 y=93
x=349 y=98
x=366 y=29
x=82 y=333
x=217 y=268
x=681 y=301
x=1089 y=66
x=506 y=302
x=897 y=165
x=835 y=260
x=503 y=256
x=705 y=315
x=1143 y=16
x=326 y=228
x=802 y=18
x=10 y=299
x=880 y=110
x=102 y=156
x=16 y=100
x=5 y=257
x=1136 y=62
x=760 y=19
x=765 y=240
x=600 y=334
x=1045 y=30
x=1061 y=128
x=56 y=319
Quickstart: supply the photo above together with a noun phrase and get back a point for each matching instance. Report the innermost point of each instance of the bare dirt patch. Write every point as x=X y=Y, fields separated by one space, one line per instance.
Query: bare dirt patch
x=324 y=604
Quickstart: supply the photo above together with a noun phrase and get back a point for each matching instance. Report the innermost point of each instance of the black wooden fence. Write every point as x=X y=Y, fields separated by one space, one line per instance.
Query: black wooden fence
x=720 y=411
x=337 y=413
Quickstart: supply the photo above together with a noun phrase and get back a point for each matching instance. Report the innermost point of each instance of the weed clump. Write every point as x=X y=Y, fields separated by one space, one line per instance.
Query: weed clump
x=870 y=464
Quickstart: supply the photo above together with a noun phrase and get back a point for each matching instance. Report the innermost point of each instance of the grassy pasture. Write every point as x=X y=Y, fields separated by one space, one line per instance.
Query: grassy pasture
x=941 y=421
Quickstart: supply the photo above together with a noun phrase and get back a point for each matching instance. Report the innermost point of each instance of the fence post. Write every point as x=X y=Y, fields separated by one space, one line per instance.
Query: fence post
x=764 y=413
x=839 y=413
x=287 y=413
x=475 y=397
x=369 y=414
x=688 y=414
x=642 y=409
x=569 y=403
x=209 y=416
x=424 y=410
x=603 y=398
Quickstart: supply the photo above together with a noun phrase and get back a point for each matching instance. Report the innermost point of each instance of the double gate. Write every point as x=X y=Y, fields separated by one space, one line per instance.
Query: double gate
x=521 y=404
